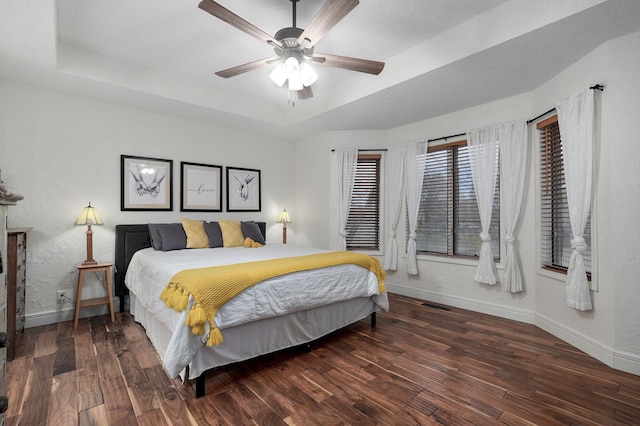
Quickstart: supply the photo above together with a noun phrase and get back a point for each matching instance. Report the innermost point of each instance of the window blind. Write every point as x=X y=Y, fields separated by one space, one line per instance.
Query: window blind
x=448 y=220
x=555 y=247
x=363 y=224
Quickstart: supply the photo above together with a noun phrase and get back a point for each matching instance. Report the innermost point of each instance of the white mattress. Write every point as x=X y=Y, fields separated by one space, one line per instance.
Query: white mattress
x=150 y=270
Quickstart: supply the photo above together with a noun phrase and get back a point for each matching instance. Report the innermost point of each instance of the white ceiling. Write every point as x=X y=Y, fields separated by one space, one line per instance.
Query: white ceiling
x=440 y=55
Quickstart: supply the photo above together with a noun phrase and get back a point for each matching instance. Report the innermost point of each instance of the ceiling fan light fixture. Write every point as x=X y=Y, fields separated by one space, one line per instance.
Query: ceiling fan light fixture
x=278 y=75
x=295 y=46
x=307 y=75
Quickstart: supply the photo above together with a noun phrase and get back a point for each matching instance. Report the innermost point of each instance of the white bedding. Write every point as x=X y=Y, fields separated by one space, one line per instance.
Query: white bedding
x=149 y=271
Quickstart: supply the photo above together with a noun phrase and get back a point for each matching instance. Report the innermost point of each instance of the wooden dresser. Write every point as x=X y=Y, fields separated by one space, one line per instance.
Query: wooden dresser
x=16 y=269
x=4 y=337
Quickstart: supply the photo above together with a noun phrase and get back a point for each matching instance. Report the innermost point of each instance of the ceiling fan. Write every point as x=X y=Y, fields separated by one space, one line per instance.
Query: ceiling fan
x=294 y=47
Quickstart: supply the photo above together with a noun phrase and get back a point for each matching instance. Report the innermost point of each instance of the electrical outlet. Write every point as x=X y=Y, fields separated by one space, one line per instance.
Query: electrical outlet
x=439 y=283
x=62 y=297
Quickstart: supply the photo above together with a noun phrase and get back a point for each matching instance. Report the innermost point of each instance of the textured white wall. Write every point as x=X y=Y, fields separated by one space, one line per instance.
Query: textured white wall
x=623 y=96
x=61 y=151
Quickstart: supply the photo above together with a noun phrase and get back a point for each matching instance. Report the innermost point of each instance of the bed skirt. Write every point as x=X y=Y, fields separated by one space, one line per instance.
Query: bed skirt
x=257 y=338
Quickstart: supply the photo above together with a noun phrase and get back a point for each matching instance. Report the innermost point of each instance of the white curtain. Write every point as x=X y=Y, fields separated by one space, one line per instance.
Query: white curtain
x=483 y=158
x=395 y=176
x=513 y=165
x=414 y=164
x=346 y=161
x=575 y=119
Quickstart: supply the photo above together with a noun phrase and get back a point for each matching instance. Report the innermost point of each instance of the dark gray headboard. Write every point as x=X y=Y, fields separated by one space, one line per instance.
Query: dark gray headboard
x=130 y=239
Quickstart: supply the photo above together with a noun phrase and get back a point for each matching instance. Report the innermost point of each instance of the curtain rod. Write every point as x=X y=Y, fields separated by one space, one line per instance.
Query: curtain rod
x=540 y=116
x=594 y=87
x=365 y=150
x=446 y=137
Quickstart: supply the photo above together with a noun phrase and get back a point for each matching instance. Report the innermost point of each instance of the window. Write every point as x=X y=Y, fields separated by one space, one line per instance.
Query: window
x=448 y=219
x=363 y=225
x=554 y=207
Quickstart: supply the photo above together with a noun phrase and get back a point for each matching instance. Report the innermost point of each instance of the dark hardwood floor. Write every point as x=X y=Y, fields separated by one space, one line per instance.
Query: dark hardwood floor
x=419 y=366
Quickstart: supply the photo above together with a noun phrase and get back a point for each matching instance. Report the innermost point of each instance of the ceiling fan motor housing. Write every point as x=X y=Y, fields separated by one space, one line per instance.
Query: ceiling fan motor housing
x=288 y=37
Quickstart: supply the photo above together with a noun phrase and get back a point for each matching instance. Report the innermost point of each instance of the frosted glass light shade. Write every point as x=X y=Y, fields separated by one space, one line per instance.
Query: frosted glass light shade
x=278 y=75
x=291 y=66
x=295 y=83
x=307 y=75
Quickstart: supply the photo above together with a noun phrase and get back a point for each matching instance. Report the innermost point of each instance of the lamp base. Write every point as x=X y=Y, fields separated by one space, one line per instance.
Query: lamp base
x=89 y=260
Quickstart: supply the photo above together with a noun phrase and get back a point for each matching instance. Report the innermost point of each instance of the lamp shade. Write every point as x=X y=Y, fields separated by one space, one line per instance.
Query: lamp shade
x=278 y=75
x=295 y=83
x=284 y=217
x=89 y=216
x=307 y=75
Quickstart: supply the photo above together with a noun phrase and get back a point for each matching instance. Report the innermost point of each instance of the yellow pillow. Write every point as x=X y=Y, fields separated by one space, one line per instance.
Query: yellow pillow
x=232 y=235
x=196 y=235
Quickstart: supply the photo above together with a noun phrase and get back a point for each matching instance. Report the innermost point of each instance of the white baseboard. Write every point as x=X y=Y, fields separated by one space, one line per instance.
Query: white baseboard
x=619 y=360
x=66 y=314
x=626 y=361
x=501 y=311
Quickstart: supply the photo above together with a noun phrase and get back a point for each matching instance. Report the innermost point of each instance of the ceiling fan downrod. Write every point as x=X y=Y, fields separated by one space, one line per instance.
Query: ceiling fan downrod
x=293 y=3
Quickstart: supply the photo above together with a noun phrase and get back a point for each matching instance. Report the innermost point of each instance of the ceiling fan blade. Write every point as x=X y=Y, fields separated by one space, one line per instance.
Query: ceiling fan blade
x=241 y=69
x=305 y=93
x=331 y=12
x=353 y=64
x=231 y=18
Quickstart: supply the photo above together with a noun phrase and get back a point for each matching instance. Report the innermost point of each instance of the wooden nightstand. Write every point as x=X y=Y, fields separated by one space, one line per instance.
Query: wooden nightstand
x=107 y=300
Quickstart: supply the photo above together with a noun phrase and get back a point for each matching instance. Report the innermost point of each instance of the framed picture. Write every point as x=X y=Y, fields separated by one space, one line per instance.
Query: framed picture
x=201 y=187
x=243 y=190
x=146 y=183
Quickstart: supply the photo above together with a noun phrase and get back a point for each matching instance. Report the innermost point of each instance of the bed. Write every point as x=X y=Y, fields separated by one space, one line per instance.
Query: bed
x=285 y=311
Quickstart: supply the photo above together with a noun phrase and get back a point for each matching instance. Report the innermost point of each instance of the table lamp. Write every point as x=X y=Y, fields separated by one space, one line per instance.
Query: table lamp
x=89 y=217
x=284 y=219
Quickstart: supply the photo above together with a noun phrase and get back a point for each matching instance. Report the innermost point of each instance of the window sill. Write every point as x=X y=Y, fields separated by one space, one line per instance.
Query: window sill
x=554 y=275
x=453 y=260
x=369 y=252
x=561 y=277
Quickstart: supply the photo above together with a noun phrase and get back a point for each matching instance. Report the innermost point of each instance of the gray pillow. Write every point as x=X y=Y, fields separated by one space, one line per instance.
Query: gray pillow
x=167 y=236
x=154 y=235
x=251 y=230
x=214 y=233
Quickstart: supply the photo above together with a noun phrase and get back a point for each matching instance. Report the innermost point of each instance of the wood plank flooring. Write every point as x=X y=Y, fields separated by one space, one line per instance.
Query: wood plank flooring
x=419 y=366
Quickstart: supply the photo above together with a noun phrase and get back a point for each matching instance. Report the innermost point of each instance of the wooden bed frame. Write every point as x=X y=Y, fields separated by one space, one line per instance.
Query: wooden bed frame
x=130 y=239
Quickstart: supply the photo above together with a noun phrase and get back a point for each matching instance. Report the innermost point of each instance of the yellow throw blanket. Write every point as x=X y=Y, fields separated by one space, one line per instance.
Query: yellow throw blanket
x=212 y=287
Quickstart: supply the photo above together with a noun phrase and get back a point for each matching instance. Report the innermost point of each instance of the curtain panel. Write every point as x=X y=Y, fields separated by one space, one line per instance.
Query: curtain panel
x=513 y=165
x=414 y=164
x=346 y=161
x=395 y=176
x=483 y=158
x=576 y=121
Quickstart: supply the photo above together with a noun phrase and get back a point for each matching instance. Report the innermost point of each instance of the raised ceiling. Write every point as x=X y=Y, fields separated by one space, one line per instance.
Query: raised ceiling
x=441 y=55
